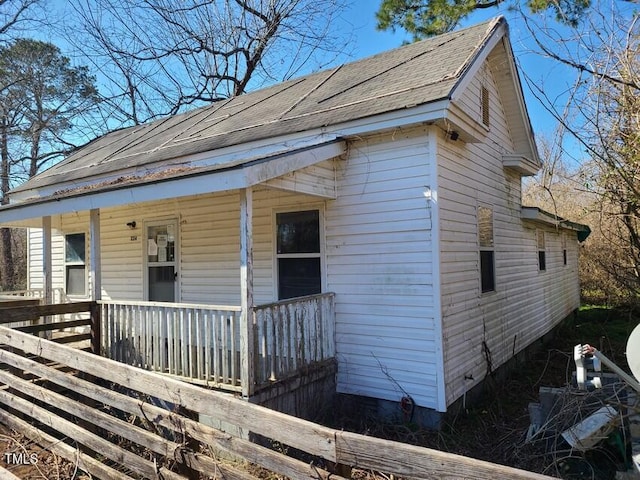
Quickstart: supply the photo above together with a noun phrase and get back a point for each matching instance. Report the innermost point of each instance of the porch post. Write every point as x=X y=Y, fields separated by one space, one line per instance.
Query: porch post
x=247 y=350
x=94 y=254
x=46 y=260
x=95 y=276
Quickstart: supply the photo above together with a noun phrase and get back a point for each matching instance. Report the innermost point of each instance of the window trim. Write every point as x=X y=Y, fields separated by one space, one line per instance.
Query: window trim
x=485 y=248
x=565 y=253
x=542 y=250
x=274 y=249
x=75 y=264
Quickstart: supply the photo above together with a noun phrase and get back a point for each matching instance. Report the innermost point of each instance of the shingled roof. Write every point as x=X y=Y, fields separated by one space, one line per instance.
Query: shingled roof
x=406 y=77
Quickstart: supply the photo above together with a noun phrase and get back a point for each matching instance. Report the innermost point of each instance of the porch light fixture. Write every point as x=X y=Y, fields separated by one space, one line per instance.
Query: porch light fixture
x=131 y=224
x=454 y=136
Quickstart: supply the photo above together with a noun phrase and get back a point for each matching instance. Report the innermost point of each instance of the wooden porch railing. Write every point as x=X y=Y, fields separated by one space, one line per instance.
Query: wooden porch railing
x=199 y=342
x=293 y=334
x=82 y=329
x=58 y=294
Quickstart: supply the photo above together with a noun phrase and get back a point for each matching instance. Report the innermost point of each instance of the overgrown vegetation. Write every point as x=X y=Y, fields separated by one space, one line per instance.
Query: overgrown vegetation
x=495 y=427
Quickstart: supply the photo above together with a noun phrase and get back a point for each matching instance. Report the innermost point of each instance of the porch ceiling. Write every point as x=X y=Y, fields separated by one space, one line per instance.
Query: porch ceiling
x=178 y=184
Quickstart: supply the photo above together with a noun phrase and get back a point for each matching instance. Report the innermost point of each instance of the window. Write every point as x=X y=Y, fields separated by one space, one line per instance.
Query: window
x=74 y=262
x=298 y=253
x=487 y=261
x=542 y=257
x=484 y=105
x=563 y=239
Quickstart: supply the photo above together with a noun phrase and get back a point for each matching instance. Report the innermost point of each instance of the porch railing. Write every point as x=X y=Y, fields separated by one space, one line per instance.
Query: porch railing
x=58 y=294
x=31 y=297
x=293 y=334
x=199 y=342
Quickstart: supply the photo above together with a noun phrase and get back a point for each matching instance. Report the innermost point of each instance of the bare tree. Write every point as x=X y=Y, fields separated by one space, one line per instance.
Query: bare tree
x=15 y=16
x=604 y=101
x=159 y=57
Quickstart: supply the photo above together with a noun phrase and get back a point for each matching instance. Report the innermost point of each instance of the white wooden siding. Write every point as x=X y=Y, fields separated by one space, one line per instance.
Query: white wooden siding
x=34 y=259
x=482 y=329
x=319 y=179
x=209 y=252
x=377 y=259
x=379 y=264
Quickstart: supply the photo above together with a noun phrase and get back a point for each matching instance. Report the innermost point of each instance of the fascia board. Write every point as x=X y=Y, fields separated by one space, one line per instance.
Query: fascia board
x=480 y=57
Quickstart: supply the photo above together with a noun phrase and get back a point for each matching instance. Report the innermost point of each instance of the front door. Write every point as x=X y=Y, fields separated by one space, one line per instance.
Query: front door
x=161 y=261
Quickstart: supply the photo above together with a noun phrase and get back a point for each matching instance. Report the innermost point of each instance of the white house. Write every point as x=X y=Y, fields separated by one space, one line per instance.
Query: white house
x=386 y=191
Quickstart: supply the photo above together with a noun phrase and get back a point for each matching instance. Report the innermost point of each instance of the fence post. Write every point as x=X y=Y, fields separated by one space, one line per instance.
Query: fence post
x=96 y=327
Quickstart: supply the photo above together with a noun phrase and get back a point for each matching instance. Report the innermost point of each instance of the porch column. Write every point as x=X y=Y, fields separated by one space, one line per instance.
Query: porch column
x=95 y=276
x=95 y=271
x=247 y=349
x=47 y=264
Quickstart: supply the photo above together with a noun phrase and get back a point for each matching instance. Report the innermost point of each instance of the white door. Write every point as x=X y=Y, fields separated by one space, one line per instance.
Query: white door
x=161 y=270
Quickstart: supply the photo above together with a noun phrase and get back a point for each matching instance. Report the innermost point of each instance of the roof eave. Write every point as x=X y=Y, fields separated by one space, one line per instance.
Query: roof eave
x=189 y=183
x=542 y=217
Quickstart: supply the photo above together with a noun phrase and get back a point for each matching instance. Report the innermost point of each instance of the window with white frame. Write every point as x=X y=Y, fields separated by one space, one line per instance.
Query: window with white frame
x=487 y=260
x=74 y=264
x=298 y=253
x=542 y=254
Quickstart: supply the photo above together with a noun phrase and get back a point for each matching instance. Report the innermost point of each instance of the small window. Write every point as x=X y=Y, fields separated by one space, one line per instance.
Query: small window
x=298 y=253
x=542 y=256
x=75 y=267
x=484 y=105
x=487 y=260
x=563 y=239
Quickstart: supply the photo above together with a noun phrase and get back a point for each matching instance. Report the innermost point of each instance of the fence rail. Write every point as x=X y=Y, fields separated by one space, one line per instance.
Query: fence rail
x=198 y=342
x=88 y=411
x=82 y=330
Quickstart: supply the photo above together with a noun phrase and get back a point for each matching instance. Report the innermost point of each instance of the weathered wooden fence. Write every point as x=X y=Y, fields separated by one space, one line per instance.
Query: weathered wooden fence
x=83 y=330
x=144 y=424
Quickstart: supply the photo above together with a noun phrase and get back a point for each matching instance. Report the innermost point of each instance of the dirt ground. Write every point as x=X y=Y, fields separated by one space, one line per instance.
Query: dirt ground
x=28 y=461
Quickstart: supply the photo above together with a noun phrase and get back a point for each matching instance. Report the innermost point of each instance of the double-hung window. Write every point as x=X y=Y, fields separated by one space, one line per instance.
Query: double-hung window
x=74 y=264
x=487 y=261
x=298 y=253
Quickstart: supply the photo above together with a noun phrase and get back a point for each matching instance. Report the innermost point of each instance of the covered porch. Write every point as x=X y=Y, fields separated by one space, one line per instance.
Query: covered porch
x=200 y=344
x=242 y=346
